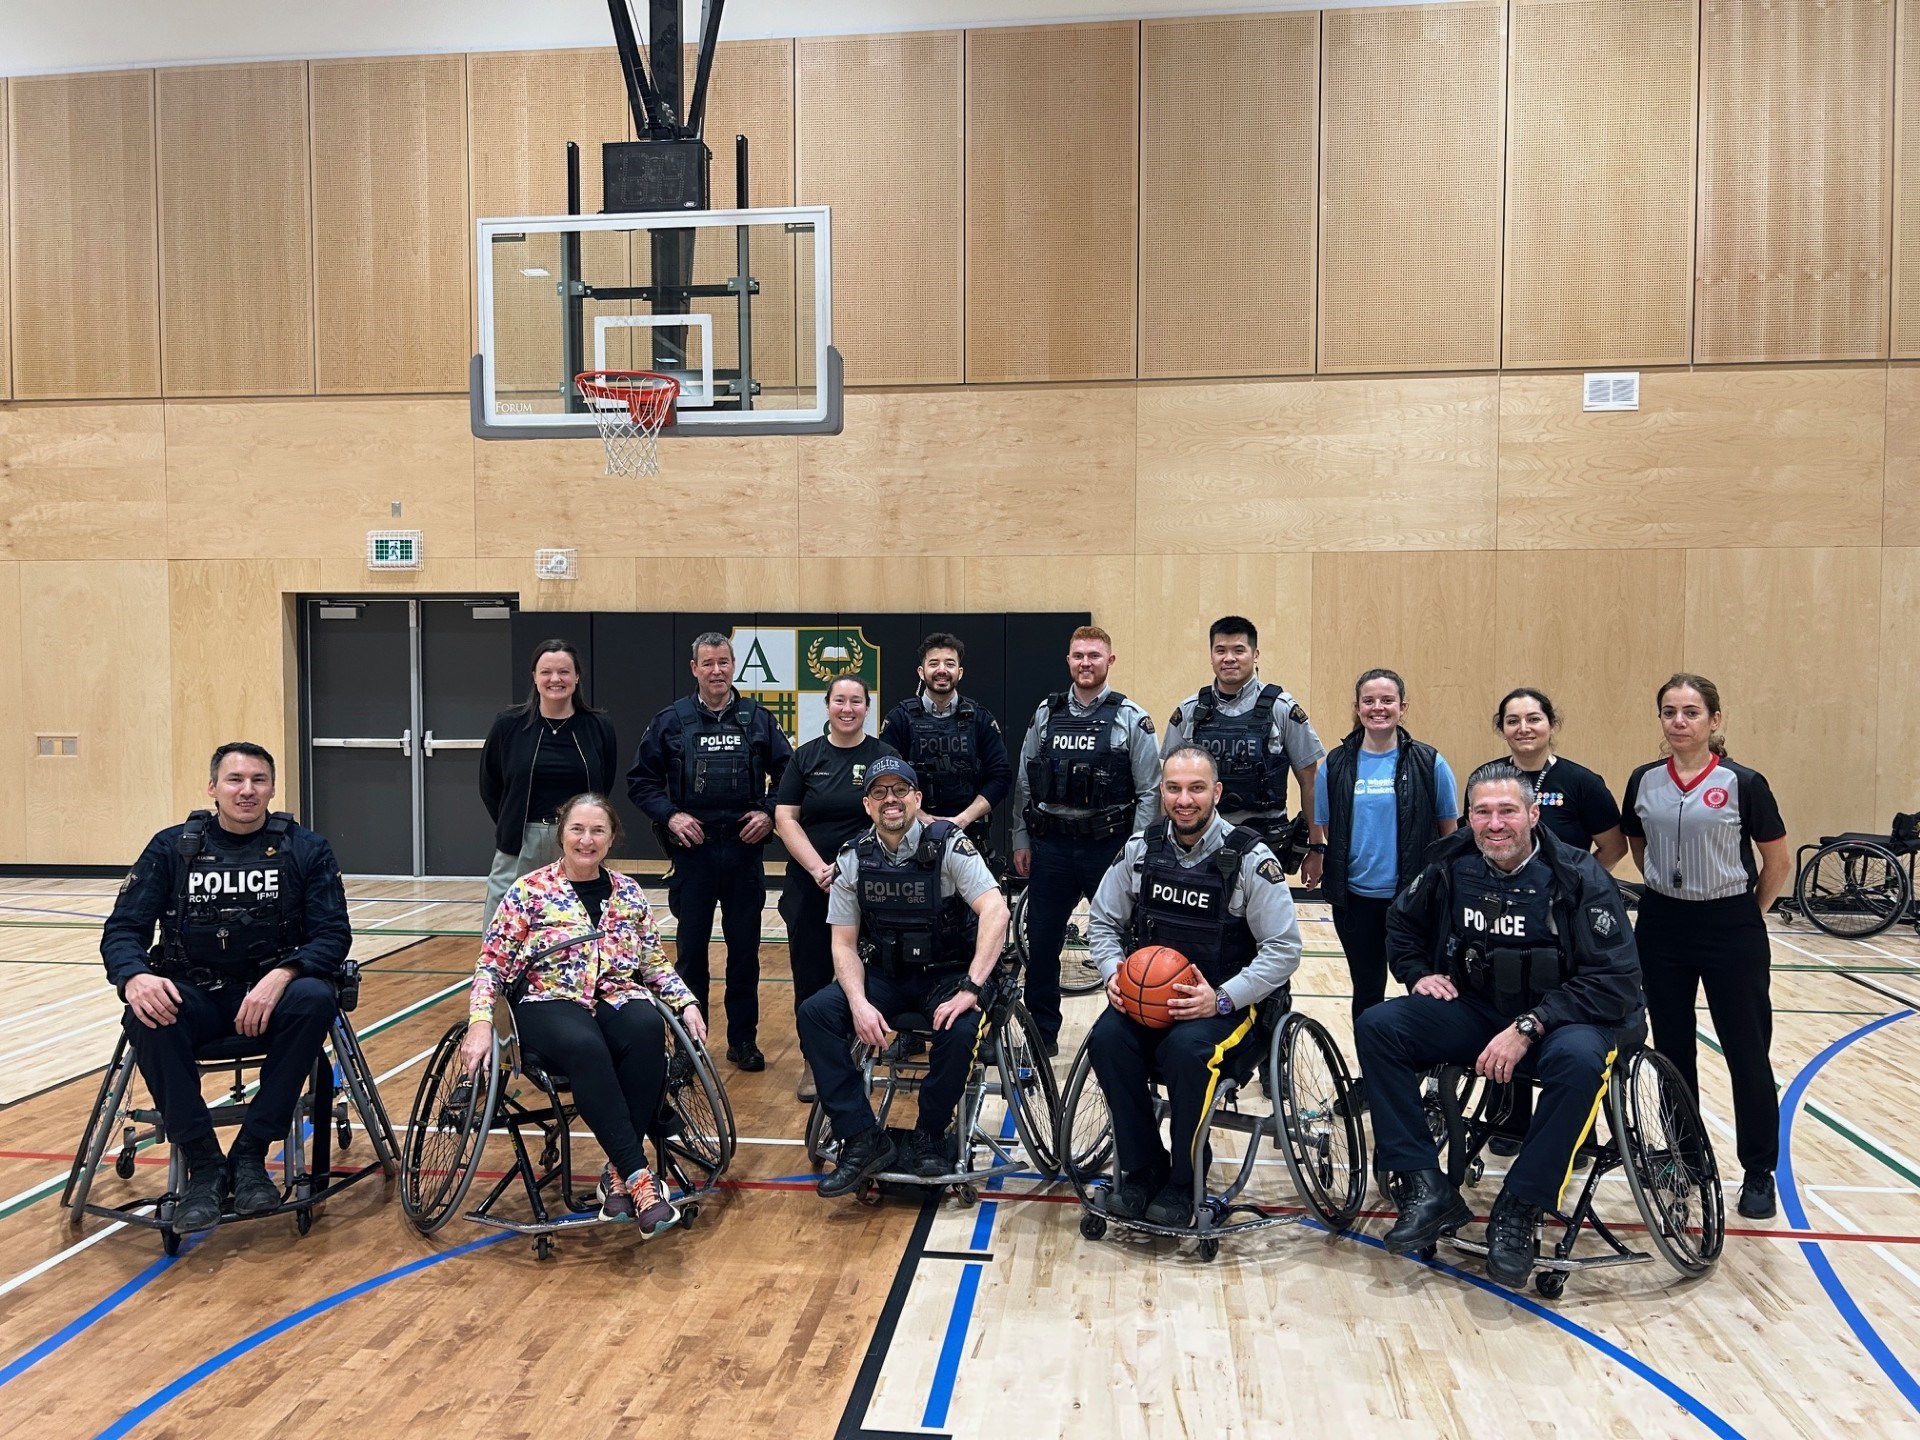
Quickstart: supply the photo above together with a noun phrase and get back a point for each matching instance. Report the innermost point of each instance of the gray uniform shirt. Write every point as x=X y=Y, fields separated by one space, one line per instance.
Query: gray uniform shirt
x=1132 y=728
x=962 y=872
x=1293 y=738
x=1260 y=894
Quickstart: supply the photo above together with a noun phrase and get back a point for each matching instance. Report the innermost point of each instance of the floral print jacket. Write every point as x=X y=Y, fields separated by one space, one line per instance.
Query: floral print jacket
x=541 y=909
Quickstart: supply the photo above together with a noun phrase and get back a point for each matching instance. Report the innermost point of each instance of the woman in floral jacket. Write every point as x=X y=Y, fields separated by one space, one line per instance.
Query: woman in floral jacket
x=581 y=1006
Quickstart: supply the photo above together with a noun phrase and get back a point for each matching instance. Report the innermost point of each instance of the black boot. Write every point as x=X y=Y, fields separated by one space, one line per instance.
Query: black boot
x=254 y=1192
x=1756 y=1196
x=1432 y=1208
x=867 y=1154
x=1513 y=1239
x=198 y=1207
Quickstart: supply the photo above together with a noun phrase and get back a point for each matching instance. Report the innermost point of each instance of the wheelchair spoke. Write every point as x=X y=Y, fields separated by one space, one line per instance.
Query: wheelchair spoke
x=1324 y=1147
x=1669 y=1163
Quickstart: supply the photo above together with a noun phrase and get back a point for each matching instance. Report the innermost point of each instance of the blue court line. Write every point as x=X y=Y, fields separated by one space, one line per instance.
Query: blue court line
x=1823 y=1270
x=953 y=1346
x=82 y=1323
x=172 y=1391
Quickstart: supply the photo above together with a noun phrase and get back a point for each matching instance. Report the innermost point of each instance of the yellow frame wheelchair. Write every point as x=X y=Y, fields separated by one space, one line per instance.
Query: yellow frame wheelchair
x=309 y=1177
x=1311 y=1124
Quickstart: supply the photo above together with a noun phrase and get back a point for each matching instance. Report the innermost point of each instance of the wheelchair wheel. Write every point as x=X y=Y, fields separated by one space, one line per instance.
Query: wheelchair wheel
x=364 y=1096
x=822 y=1148
x=1668 y=1157
x=1078 y=974
x=1853 y=889
x=696 y=1134
x=93 y=1145
x=446 y=1133
x=1026 y=1080
x=1086 y=1126
x=1325 y=1147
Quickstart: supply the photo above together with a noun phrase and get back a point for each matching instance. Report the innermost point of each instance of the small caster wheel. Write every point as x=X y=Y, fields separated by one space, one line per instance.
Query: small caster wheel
x=343 y=1132
x=967 y=1195
x=123 y=1166
x=1093 y=1226
x=549 y=1157
x=1476 y=1170
x=1551 y=1284
x=170 y=1242
x=303 y=1219
x=543 y=1247
x=689 y=1213
x=869 y=1194
x=1209 y=1250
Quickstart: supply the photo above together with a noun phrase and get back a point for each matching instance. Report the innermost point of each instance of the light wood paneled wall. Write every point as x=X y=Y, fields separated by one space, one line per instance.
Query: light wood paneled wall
x=1901 y=515
x=1796 y=112
x=6 y=235
x=1053 y=115
x=1229 y=154
x=1410 y=170
x=236 y=253
x=17 y=747
x=390 y=243
x=880 y=138
x=83 y=482
x=1905 y=342
x=1898 y=787
x=85 y=248
x=1600 y=104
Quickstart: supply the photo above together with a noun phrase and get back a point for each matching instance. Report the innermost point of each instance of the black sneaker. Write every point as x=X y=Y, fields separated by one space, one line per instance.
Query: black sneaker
x=1756 y=1196
x=1513 y=1240
x=1172 y=1207
x=198 y=1207
x=254 y=1192
x=866 y=1155
x=929 y=1156
x=747 y=1056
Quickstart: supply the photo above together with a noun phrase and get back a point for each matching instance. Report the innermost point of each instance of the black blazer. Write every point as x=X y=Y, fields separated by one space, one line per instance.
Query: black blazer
x=506 y=767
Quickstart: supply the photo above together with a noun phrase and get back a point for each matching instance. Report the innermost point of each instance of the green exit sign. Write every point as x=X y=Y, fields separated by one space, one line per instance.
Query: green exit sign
x=393 y=549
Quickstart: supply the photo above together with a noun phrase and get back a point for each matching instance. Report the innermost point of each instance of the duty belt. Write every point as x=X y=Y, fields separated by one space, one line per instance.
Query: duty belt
x=1099 y=826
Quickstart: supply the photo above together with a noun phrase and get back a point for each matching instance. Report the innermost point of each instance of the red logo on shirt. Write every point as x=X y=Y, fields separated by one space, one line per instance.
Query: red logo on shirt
x=1715 y=799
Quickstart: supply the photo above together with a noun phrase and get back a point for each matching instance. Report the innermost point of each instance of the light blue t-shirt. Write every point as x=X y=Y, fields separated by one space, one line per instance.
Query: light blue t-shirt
x=1373 y=853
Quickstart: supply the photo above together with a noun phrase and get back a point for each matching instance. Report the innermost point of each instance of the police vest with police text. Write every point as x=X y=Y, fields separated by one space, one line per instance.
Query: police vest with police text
x=1186 y=907
x=717 y=771
x=942 y=753
x=1079 y=765
x=232 y=912
x=1506 y=945
x=904 y=924
x=1252 y=777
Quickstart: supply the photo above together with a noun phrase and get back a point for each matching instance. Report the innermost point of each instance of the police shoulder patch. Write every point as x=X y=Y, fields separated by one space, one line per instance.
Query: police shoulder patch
x=962 y=845
x=1271 y=871
x=1146 y=723
x=1297 y=714
x=127 y=884
x=1603 y=920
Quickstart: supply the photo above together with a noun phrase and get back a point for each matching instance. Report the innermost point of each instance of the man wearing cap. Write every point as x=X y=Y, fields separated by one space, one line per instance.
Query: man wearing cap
x=918 y=926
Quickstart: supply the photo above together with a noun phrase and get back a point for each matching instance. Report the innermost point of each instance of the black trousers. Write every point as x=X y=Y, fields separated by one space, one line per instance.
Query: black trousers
x=616 y=1060
x=1065 y=870
x=1411 y=1033
x=296 y=1030
x=1361 y=923
x=826 y=1038
x=727 y=872
x=803 y=905
x=1721 y=945
x=1188 y=1057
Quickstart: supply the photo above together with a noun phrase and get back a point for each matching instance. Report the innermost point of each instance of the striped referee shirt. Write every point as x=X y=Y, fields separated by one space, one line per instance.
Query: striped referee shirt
x=1700 y=835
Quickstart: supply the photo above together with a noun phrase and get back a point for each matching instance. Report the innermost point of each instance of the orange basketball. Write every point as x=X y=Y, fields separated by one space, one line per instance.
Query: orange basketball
x=1146 y=982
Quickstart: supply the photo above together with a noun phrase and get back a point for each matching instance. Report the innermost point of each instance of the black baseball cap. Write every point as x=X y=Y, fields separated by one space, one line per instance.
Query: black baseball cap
x=889 y=765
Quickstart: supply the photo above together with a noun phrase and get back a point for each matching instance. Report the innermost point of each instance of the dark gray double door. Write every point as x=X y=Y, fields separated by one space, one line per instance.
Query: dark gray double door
x=397 y=696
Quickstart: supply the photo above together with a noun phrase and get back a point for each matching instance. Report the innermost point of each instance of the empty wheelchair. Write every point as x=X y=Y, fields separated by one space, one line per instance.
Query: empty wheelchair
x=1854 y=886
x=1308 y=1121
x=453 y=1114
x=340 y=1089
x=1654 y=1138
x=1010 y=1096
x=1079 y=975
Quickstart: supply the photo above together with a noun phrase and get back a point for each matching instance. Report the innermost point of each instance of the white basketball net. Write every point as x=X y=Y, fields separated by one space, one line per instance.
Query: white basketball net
x=630 y=407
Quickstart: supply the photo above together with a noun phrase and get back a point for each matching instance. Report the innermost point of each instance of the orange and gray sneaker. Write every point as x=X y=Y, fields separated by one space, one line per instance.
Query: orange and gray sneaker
x=616 y=1198
x=649 y=1207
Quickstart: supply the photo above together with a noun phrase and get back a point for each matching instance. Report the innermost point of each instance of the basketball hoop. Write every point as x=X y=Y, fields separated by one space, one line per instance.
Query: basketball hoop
x=630 y=407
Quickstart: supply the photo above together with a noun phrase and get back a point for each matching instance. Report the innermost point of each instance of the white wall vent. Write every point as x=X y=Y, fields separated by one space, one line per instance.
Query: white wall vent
x=556 y=564
x=1612 y=390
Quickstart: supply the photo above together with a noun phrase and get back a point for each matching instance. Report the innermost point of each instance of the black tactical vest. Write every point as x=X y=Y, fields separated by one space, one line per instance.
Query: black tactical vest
x=941 y=750
x=904 y=924
x=716 y=757
x=1186 y=907
x=1252 y=776
x=233 y=908
x=1505 y=943
x=1078 y=764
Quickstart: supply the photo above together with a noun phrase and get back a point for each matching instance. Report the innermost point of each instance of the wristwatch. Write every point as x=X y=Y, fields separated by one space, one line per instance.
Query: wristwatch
x=1224 y=1006
x=970 y=985
x=1529 y=1025
x=1316 y=847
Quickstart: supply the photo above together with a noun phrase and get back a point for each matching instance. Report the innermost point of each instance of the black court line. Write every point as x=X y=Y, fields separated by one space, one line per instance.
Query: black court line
x=979 y=1256
x=868 y=1379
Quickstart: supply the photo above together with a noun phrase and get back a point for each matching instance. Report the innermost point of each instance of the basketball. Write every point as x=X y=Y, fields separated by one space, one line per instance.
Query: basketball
x=1147 y=978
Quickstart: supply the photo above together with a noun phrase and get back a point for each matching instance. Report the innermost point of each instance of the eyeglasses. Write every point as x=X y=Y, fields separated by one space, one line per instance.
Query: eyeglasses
x=889 y=792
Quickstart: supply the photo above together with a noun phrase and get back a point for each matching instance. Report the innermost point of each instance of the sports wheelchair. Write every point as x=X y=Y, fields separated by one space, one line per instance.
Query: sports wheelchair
x=1079 y=975
x=1010 y=1064
x=1654 y=1135
x=1854 y=886
x=338 y=1089
x=1310 y=1122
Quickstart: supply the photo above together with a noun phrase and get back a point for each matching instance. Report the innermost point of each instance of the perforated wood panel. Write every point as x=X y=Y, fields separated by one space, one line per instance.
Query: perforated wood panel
x=83 y=481
x=1899 y=769
x=1796 y=109
x=1228 y=185
x=1906 y=187
x=1901 y=518
x=880 y=140
x=86 y=303
x=6 y=299
x=391 y=247
x=1170 y=659
x=1052 y=185
x=1410 y=164
x=1599 y=187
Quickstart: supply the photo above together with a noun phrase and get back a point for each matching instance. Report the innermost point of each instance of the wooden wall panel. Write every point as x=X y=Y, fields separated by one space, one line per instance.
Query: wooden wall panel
x=1792 y=638
x=1100 y=584
x=1410 y=175
x=83 y=482
x=15 y=738
x=333 y=468
x=98 y=618
x=391 y=247
x=1391 y=464
x=236 y=253
x=1052 y=189
x=6 y=234
x=1901 y=517
x=1171 y=658
x=1597 y=630
x=1796 y=114
x=1898 y=787
x=1905 y=340
x=86 y=252
x=1599 y=242
x=718 y=582
x=1023 y=472
x=1229 y=164
x=1756 y=457
x=880 y=138
x=1426 y=616
x=883 y=582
